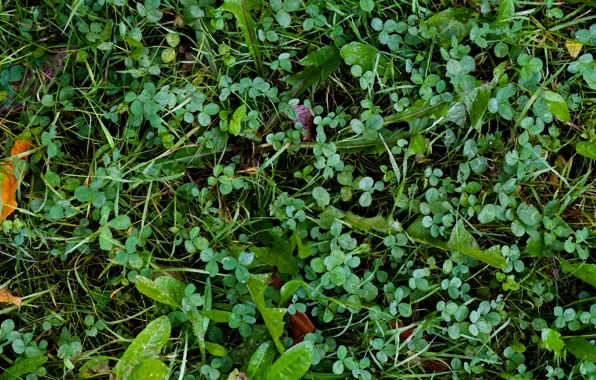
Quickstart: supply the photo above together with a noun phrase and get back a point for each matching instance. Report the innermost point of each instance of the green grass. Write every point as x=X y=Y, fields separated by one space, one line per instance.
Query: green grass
x=436 y=221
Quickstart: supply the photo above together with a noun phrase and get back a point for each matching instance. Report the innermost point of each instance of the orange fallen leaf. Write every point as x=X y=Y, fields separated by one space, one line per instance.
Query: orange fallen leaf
x=6 y=296
x=573 y=48
x=300 y=325
x=10 y=182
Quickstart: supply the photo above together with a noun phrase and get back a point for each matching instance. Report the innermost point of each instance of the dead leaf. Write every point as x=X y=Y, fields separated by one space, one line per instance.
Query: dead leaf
x=178 y=21
x=300 y=325
x=6 y=296
x=573 y=48
x=10 y=182
x=433 y=366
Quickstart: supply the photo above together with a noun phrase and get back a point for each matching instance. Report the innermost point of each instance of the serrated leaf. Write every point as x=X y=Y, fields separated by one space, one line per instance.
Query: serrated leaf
x=284 y=263
x=583 y=271
x=241 y=10
x=552 y=341
x=376 y=223
x=95 y=366
x=293 y=364
x=477 y=102
x=279 y=252
x=23 y=367
x=147 y=345
x=150 y=369
x=460 y=240
x=260 y=362
x=365 y=56
x=581 y=348
x=319 y=65
x=451 y=22
x=586 y=149
x=273 y=317
x=164 y=289
x=506 y=10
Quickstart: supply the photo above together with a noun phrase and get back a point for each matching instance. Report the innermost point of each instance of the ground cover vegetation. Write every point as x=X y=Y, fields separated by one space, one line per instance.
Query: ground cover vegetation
x=286 y=189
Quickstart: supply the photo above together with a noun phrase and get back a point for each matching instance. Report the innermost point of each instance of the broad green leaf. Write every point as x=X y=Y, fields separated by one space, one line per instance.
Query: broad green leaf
x=477 y=103
x=451 y=22
x=164 y=289
x=557 y=106
x=535 y=246
x=304 y=250
x=293 y=364
x=506 y=10
x=583 y=271
x=150 y=369
x=260 y=362
x=288 y=289
x=377 y=223
x=319 y=65
x=236 y=122
x=95 y=366
x=273 y=317
x=218 y=316
x=284 y=263
x=216 y=349
x=460 y=240
x=241 y=10
x=23 y=367
x=417 y=144
x=586 y=149
x=552 y=341
x=147 y=345
x=365 y=56
x=200 y=324
x=581 y=349
x=362 y=145
x=279 y=252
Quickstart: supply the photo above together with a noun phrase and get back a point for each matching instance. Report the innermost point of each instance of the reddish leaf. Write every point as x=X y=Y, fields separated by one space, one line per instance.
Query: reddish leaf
x=300 y=325
x=305 y=118
x=275 y=281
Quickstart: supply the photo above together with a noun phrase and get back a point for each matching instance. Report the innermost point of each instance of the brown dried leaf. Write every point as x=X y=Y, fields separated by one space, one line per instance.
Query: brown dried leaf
x=434 y=366
x=300 y=325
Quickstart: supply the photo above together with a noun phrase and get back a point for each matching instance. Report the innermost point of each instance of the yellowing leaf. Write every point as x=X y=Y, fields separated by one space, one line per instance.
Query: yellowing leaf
x=6 y=296
x=10 y=182
x=573 y=48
